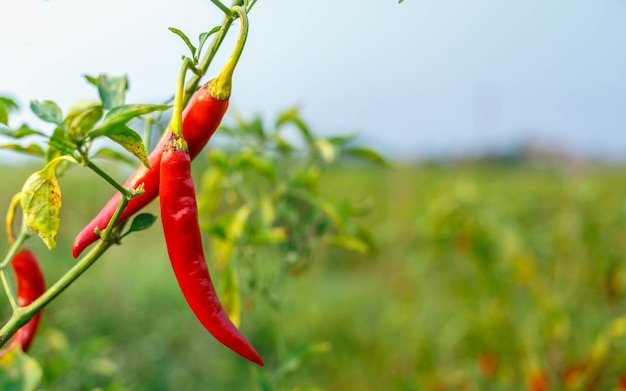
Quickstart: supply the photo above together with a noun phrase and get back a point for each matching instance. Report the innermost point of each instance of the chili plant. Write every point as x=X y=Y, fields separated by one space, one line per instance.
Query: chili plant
x=270 y=187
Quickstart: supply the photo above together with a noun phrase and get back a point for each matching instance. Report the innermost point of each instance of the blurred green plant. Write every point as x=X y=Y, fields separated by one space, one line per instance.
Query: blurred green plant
x=261 y=192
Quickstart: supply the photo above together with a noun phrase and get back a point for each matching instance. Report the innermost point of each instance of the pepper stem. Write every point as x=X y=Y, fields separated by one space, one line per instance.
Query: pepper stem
x=177 y=115
x=222 y=85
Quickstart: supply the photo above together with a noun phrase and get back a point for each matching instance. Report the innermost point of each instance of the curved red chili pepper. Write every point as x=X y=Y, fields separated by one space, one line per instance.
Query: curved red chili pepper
x=201 y=118
x=179 y=215
x=30 y=285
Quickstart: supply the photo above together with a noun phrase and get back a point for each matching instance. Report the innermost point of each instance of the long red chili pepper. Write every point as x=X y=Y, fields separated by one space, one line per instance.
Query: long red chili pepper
x=201 y=118
x=30 y=285
x=179 y=215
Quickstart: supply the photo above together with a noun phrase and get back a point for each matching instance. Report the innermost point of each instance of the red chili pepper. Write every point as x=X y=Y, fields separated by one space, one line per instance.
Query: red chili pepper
x=201 y=118
x=30 y=285
x=179 y=215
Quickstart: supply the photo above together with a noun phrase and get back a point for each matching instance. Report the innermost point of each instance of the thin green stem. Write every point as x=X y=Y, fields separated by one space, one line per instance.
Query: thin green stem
x=125 y=192
x=15 y=247
x=193 y=82
x=21 y=316
x=147 y=134
x=222 y=7
x=252 y=3
x=177 y=115
x=8 y=289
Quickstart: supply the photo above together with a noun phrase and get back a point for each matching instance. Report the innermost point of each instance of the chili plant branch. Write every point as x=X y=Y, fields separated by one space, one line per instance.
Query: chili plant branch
x=22 y=315
x=87 y=162
x=222 y=7
x=192 y=84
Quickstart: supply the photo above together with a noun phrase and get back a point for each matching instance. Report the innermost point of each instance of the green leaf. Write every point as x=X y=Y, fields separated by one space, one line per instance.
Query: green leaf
x=350 y=243
x=82 y=117
x=273 y=236
x=91 y=80
x=108 y=153
x=323 y=205
x=47 y=111
x=112 y=90
x=6 y=107
x=41 y=202
x=367 y=155
x=262 y=166
x=281 y=144
x=4 y=115
x=204 y=36
x=293 y=116
x=19 y=371
x=142 y=222
x=32 y=149
x=229 y=294
x=122 y=114
x=185 y=39
x=130 y=141
x=342 y=140
x=59 y=144
x=21 y=132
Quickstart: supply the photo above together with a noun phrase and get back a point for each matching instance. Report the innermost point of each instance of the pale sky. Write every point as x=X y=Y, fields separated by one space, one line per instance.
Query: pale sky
x=421 y=78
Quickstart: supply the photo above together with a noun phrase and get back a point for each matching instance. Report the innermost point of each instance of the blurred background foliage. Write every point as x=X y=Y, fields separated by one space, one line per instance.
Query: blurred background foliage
x=347 y=273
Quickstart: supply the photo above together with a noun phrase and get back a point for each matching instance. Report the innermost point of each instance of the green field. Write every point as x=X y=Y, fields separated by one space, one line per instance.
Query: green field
x=485 y=278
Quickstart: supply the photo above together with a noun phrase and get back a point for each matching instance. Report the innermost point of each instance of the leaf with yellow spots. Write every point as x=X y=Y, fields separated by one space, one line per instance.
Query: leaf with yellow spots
x=41 y=202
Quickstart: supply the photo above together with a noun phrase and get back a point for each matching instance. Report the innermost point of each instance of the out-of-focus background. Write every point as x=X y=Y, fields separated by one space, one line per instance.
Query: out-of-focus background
x=500 y=228
x=418 y=79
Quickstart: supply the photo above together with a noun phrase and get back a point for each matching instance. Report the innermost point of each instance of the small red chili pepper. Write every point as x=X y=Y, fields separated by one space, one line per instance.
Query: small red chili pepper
x=179 y=215
x=30 y=285
x=201 y=118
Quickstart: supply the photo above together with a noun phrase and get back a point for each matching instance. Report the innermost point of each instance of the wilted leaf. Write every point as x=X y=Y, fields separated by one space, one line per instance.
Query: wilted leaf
x=47 y=111
x=114 y=155
x=41 y=202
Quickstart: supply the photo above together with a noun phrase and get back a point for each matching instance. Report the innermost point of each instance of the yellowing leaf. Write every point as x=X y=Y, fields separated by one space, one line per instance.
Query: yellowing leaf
x=41 y=202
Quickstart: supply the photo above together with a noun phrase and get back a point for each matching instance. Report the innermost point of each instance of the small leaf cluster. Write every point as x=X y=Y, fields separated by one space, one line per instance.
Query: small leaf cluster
x=71 y=141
